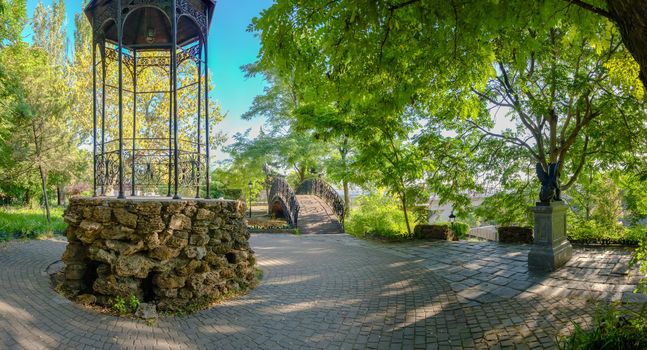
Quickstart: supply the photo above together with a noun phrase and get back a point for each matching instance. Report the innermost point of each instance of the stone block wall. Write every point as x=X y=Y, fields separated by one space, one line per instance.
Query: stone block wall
x=426 y=231
x=170 y=252
x=515 y=234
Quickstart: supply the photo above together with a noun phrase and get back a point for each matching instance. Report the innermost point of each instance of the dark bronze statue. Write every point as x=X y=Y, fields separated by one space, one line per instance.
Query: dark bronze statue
x=549 y=183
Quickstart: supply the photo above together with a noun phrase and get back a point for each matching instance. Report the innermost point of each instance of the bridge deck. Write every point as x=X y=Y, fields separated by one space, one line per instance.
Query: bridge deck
x=315 y=216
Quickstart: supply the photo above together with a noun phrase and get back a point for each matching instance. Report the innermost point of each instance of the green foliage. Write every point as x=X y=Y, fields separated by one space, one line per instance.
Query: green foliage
x=593 y=231
x=634 y=195
x=614 y=328
x=377 y=215
x=126 y=305
x=507 y=208
x=596 y=196
x=119 y=305
x=640 y=255
x=18 y=222
x=133 y=303
x=460 y=229
x=13 y=14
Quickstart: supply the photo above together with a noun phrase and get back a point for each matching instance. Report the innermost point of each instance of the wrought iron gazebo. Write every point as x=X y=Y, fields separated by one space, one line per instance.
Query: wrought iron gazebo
x=161 y=152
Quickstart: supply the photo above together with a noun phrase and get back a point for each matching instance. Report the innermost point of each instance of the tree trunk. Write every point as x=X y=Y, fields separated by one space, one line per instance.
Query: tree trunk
x=302 y=174
x=60 y=195
x=631 y=18
x=343 y=152
x=43 y=181
x=404 y=209
x=43 y=175
x=346 y=197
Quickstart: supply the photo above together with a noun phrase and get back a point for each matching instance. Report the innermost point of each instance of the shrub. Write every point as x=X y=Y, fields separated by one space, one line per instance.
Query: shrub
x=460 y=229
x=133 y=303
x=377 y=215
x=640 y=255
x=591 y=231
x=613 y=328
x=119 y=305
x=125 y=305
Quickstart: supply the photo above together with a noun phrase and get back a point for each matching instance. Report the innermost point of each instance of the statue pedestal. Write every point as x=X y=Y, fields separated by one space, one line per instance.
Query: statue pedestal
x=550 y=249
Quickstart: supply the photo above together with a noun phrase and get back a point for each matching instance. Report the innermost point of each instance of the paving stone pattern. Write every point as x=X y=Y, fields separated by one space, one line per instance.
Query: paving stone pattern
x=329 y=292
x=316 y=217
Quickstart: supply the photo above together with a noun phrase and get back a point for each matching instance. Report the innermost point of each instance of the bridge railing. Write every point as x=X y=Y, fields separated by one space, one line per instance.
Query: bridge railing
x=280 y=189
x=323 y=190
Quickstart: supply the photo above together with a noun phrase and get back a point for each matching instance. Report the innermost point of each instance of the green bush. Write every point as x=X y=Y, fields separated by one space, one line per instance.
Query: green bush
x=640 y=255
x=613 y=329
x=591 y=231
x=460 y=229
x=119 y=305
x=125 y=305
x=377 y=215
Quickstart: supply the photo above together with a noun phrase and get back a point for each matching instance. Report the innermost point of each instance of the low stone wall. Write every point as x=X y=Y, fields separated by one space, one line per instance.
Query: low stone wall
x=169 y=252
x=515 y=234
x=426 y=231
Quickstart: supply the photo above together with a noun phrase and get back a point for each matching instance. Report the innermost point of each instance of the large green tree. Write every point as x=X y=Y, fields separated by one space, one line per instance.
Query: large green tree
x=39 y=142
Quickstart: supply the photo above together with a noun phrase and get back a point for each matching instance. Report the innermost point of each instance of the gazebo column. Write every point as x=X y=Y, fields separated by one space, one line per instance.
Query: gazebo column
x=104 y=163
x=120 y=101
x=170 y=124
x=132 y=172
x=197 y=191
x=94 y=115
x=206 y=108
x=174 y=64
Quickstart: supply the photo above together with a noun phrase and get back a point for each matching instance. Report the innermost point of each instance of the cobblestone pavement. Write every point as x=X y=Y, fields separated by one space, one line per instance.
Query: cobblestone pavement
x=332 y=292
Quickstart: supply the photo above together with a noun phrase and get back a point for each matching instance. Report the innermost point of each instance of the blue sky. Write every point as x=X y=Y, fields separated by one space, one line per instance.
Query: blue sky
x=230 y=46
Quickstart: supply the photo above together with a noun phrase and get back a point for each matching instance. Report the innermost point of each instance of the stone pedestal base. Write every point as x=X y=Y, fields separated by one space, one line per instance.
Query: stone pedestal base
x=551 y=249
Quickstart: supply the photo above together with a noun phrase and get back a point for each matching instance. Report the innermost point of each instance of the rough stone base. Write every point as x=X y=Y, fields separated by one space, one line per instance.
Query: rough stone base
x=169 y=252
x=551 y=249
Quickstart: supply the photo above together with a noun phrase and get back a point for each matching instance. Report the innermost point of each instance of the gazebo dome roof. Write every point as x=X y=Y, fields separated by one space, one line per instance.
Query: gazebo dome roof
x=147 y=24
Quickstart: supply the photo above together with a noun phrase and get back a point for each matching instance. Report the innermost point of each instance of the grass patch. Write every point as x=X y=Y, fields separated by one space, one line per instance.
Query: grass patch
x=27 y=223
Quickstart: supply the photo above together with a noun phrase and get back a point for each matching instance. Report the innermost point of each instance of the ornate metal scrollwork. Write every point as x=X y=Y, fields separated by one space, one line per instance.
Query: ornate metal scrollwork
x=154 y=61
x=192 y=53
x=126 y=58
x=109 y=12
x=198 y=16
x=107 y=169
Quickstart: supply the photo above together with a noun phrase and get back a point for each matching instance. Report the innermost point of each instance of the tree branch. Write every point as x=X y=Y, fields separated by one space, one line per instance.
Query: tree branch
x=591 y=8
x=577 y=172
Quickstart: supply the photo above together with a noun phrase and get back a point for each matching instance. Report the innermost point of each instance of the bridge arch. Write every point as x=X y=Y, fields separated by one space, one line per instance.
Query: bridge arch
x=282 y=201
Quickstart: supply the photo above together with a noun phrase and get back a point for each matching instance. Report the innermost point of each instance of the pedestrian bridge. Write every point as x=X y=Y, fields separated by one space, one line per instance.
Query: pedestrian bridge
x=314 y=208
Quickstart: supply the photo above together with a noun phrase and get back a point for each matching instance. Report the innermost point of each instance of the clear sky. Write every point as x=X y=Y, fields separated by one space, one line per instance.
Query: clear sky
x=230 y=46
